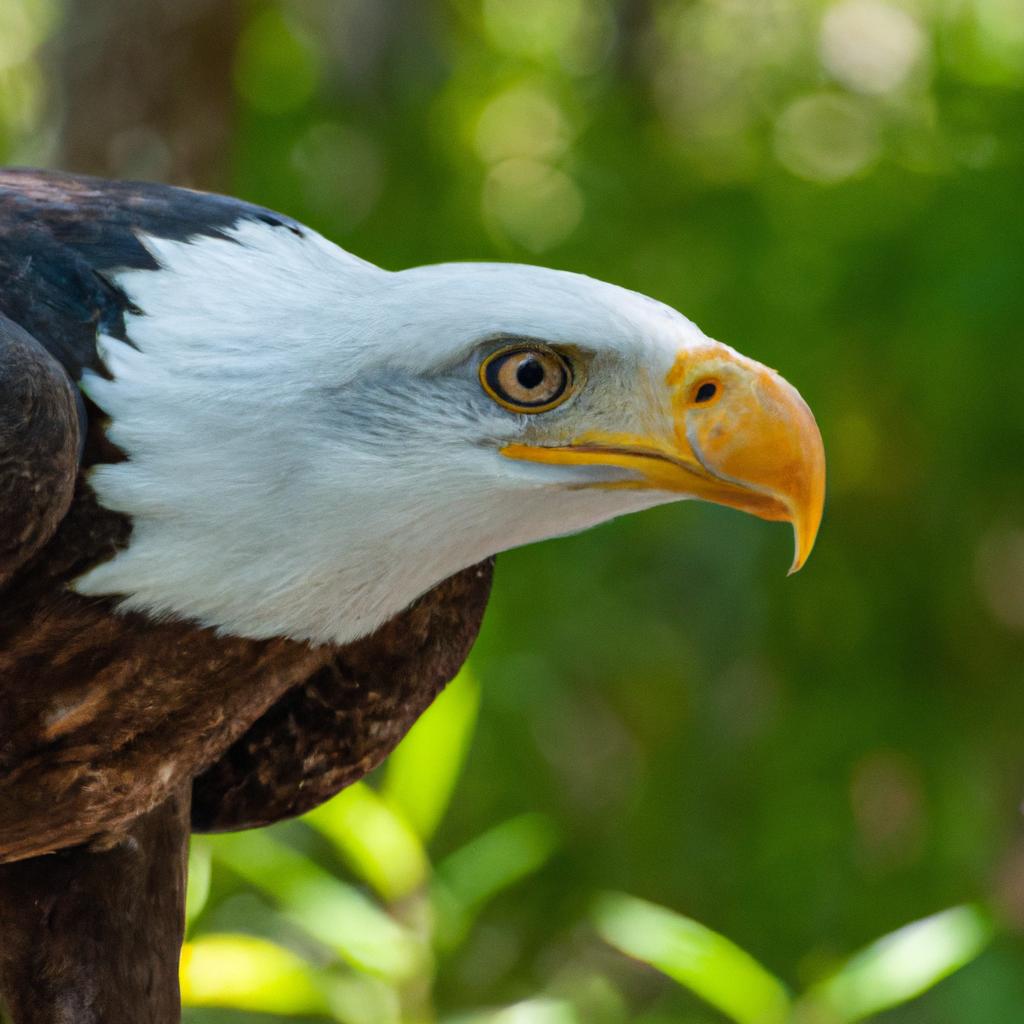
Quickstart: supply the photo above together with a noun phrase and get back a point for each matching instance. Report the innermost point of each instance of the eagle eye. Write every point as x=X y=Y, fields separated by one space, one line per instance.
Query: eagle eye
x=526 y=378
x=705 y=392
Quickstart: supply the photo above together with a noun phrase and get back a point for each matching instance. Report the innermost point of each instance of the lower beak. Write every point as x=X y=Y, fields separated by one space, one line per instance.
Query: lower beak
x=761 y=453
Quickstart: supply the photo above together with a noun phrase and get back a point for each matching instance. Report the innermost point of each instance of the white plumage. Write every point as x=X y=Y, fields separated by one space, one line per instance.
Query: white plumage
x=309 y=448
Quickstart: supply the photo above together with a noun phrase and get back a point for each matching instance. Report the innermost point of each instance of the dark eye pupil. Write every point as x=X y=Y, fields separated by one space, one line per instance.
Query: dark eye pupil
x=525 y=380
x=706 y=392
x=530 y=373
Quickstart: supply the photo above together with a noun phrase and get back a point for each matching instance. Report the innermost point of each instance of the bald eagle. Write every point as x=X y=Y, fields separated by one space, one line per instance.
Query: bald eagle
x=251 y=490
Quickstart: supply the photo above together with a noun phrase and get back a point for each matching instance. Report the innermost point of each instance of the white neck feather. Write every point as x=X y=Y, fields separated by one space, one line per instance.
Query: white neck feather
x=277 y=486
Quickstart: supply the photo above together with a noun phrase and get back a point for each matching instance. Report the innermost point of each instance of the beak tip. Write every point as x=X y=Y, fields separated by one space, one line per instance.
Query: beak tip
x=803 y=542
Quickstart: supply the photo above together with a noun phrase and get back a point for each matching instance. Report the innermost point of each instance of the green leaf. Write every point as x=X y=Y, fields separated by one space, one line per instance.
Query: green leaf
x=422 y=772
x=530 y=1011
x=903 y=964
x=467 y=879
x=198 y=891
x=359 y=999
x=248 y=973
x=378 y=843
x=332 y=912
x=705 y=962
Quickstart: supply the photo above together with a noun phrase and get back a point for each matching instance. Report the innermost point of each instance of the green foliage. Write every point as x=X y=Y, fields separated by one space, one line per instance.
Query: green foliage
x=697 y=957
x=248 y=973
x=473 y=875
x=421 y=774
x=365 y=955
x=902 y=965
x=891 y=971
x=800 y=764
x=364 y=961
x=379 y=845
x=333 y=913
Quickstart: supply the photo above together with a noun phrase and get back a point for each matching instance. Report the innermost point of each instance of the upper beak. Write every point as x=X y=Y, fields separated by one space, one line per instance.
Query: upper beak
x=756 y=448
x=768 y=446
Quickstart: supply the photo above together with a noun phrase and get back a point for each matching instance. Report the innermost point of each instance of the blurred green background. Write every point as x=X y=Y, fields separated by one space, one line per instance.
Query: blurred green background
x=800 y=764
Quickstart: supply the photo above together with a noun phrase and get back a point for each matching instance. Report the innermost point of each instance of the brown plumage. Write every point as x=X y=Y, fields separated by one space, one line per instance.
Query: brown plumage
x=116 y=731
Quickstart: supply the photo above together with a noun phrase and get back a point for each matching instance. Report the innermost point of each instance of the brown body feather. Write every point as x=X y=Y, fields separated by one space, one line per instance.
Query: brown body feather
x=115 y=728
x=104 y=715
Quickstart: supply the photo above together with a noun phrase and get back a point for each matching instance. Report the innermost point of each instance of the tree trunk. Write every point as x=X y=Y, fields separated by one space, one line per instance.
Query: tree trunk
x=93 y=936
x=145 y=89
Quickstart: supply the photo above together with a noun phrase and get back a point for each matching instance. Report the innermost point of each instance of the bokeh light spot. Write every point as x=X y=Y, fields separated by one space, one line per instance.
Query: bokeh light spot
x=999 y=571
x=532 y=28
x=826 y=138
x=887 y=798
x=521 y=122
x=870 y=46
x=531 y=203
x=342 y=171
x=23 y=26
x=277 y=68
x=22 y=92
x=985 y=43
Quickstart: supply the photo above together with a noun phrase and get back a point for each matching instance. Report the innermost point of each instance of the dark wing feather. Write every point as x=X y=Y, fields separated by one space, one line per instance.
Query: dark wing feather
x=267 y=728
x=40 y=434
x=348 y=716
x=62 y=235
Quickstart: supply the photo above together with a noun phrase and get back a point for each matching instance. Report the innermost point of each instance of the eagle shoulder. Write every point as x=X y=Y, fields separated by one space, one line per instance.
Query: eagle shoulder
x=64 y=236
x=103 y=714
x=348 y=715
x=40 y=432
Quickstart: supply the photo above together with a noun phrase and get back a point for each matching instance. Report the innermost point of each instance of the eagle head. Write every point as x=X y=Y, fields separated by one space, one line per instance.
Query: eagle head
x=313 y=442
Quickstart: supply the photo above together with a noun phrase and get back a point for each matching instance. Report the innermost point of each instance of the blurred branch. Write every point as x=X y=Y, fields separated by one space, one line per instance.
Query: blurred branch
x=144 y=89
x=635 y=18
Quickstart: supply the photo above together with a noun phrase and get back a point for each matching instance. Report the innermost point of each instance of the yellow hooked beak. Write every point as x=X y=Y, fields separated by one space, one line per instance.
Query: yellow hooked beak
x=726 y=430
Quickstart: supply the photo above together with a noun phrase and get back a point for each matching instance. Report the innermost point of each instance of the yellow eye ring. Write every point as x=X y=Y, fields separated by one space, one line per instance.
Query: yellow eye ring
x=527 y=378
